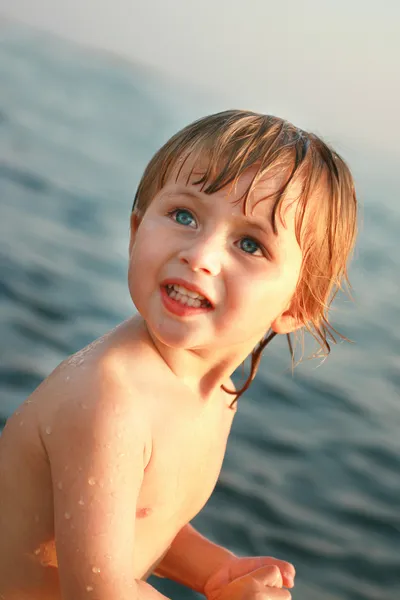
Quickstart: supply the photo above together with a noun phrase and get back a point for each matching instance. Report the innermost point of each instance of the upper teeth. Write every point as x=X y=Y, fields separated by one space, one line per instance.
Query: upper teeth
x=184 y=291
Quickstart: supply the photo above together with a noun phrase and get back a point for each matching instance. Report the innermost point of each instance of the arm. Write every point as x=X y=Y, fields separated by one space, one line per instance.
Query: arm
x=192 y=559
x=208 y=568
x=97 y=458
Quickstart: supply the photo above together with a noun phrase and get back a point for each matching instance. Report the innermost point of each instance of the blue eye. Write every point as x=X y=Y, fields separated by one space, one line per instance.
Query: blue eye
x=183 y=217
x=249 y=245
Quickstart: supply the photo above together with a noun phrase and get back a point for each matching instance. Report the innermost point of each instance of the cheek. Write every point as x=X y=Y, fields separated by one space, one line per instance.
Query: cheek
x=148 y=246
x=245 y=296
x=265 y=293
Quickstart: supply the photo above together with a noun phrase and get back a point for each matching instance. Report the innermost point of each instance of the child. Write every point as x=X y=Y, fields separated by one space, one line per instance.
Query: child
x=242 y=224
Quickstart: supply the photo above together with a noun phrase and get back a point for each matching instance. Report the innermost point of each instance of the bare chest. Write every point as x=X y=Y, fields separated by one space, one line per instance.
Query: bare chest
x=182 y=473
x=180 y=477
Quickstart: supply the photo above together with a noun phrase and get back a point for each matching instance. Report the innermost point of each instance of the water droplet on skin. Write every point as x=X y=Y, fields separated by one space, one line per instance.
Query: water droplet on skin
x=67 y=378
x=89 y=588
x=45 y=562
x=37 y=551
x=60 y=485
x=91 y=481
x=36 y=518
x=67 y=515
x=81 y=502
x=21 y=423
x=48 y=430
x=95 y=570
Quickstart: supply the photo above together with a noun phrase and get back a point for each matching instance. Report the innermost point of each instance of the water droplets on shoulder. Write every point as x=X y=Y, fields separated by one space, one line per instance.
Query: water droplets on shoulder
x=77 y=360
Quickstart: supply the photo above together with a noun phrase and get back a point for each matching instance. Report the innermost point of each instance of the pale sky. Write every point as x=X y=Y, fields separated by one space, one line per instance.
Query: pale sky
x=331 y=66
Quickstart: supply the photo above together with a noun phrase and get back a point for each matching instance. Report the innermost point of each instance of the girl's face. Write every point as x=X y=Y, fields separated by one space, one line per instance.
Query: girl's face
x=204 y=276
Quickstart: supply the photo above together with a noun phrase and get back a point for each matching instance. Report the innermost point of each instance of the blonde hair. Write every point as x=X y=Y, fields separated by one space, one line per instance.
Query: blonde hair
x=235 y=140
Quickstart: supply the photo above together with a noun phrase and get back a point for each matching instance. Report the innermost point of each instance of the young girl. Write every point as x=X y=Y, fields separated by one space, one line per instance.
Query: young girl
x=241 y=229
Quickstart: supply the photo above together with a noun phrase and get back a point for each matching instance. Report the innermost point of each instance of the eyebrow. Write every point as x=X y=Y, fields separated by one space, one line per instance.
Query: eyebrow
x=264 y=225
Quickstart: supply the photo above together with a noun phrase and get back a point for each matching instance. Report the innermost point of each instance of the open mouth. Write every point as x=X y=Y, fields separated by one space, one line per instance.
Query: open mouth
x=186 y=297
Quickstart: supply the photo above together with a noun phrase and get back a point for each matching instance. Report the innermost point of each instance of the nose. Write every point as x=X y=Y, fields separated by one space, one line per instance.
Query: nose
x=203 y=255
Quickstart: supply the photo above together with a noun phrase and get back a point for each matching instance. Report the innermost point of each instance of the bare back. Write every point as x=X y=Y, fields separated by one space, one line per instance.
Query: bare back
x=184 y=447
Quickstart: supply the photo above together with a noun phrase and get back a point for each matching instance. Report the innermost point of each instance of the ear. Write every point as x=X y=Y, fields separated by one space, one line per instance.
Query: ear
x=135 y=222
x=286 y=323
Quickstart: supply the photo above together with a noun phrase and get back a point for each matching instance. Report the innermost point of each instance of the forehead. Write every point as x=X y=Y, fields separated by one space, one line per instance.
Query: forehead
x=261 y=194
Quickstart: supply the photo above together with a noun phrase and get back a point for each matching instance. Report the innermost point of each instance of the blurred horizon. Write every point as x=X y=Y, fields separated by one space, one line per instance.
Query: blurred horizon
x=329 y=68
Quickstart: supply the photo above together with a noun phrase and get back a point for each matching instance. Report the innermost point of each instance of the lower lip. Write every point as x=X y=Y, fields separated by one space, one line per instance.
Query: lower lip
x=179 y=309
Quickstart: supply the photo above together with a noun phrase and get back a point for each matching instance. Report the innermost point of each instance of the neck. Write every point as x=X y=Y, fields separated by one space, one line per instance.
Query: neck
x=204 y=371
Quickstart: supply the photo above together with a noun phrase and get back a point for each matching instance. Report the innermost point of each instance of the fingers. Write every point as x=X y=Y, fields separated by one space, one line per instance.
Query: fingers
x=271 y=579
x=276 y=594
x=287 y=570
x=269 y=576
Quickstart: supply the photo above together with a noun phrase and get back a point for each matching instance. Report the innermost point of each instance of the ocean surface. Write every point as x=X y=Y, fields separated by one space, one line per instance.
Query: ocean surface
x=312 y=471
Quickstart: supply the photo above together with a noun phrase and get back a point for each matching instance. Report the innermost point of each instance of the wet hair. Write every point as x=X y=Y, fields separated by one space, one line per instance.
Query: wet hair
x=326 y=212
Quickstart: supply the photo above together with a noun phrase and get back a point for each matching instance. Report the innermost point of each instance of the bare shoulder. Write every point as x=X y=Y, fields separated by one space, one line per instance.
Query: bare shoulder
x=99 y=383
x=98 y=394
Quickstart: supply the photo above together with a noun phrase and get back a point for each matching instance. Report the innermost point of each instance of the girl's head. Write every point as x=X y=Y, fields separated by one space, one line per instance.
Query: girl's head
x=310 y=173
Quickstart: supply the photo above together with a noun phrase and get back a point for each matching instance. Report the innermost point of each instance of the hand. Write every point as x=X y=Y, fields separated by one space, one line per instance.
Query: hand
x=255 y=578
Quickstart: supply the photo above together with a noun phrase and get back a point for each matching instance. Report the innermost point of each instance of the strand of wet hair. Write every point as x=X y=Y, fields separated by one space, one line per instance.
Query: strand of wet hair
x=255 y=362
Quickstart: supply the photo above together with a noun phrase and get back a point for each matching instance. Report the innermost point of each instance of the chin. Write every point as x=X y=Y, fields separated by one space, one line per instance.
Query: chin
x=173 y=338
